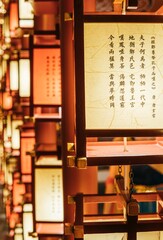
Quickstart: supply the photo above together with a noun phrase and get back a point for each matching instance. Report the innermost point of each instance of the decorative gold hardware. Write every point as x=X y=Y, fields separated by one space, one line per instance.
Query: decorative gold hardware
x=68 y=229
x=78 y=231
x=31 y=153
x=133 y=208
x=68 y=16
x=71 y=161
x=33 y=234
x=82 y=162
x=70 y=147
x=71 y=200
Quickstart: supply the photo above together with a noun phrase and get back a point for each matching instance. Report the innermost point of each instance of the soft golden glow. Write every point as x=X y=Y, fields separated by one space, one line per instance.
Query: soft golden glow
x=27 y=220
x=7 y=101
x=25 y=14
x=13 y=18
x=16 y=134
x=24 y=69
x=123 y=75
x=49 y=189
x=8 y=126
x=18 y=236
x=14 y=84
x=47 y=76
x=118 y=236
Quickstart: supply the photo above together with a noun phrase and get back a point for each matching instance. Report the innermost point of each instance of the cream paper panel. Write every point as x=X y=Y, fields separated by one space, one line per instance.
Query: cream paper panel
x=123 y=236
x=144 y=85
x=49 y=195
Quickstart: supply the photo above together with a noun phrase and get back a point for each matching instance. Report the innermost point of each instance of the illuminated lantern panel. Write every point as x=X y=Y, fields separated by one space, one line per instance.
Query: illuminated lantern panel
x=47 y=77
x=13 y=18
x=24 y=82
x=14 y=79
x=49 y=189
x=27 y=221
x=8 y=129
x=16 y=133
x=27 y=144
x=18 y=232
x=7 y=141
x=13 y=220
x=7 y=101
x=25 y=14
x=18 y=190
x=123 y=92
x=119 y=236
x=3 y=69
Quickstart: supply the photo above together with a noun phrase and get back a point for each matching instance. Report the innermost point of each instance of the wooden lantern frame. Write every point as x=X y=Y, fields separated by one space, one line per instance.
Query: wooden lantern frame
x=44 y=53
x=42 y=227
x=90 y=152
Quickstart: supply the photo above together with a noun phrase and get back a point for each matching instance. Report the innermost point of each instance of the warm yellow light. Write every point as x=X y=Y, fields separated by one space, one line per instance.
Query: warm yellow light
x=49 y=189
x=7 y=101
x=27 y=221
x=8 y=126
x=24 y=69
x=6 y=28
x=123 y=75
x=25 y=14
x=7 y=141
x=47 y=76
x=18 y=236
x=18 y=229
x=1 y=150
x=16 y=134
x=14 y=85
x=108 y=236
x=157 y=235
x=3 y=65
x=26 y=23
x=13 y=18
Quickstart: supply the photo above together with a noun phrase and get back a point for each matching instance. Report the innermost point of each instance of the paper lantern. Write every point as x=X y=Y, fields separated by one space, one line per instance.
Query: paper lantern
x=14 y=77
x=25 y=14
x=24 y=78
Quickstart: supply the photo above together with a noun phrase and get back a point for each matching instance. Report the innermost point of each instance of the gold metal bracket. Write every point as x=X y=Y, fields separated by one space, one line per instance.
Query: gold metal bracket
x=71 y=200
x=132 y=208
x=31 y=153
x=78 y=231
x=71 y=161
x=68 y=229
x=33 y=234
x=71 y=147
x=82 y=162
x=68 y=16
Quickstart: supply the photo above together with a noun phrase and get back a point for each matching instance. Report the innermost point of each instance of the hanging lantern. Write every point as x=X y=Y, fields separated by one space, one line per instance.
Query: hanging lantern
x=48 y=187
x=7 y=101
x=16 y=134
x=14 y=77
x=25 y=14
x=13 y=18
x=18 y=190
x=24 y=78
x=18 y=232
x=27 y=221
x=27 y=141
